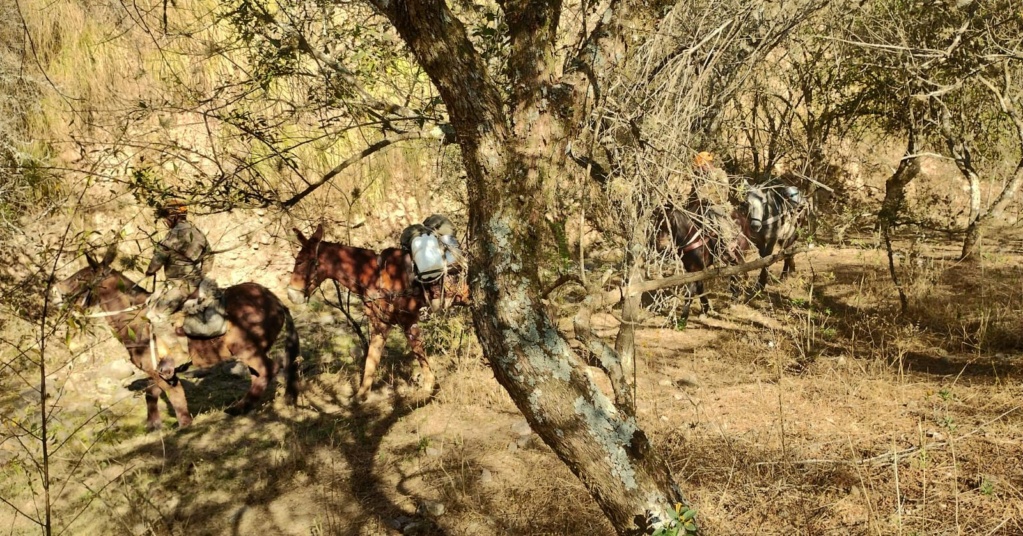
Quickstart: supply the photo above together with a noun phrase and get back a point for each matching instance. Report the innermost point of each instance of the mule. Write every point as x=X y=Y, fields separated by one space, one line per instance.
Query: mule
x=693 y=236
x=255 y=318
x=773 y=216
x=384 y=283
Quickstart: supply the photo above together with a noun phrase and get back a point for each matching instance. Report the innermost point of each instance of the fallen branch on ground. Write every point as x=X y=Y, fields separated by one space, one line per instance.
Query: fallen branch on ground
x=612 y=297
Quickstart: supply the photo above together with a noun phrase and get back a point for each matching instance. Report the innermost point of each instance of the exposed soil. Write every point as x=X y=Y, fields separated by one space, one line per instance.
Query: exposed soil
x=812 y=409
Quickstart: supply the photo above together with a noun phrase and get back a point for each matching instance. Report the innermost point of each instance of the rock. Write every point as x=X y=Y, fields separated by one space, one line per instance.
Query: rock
x=399 y=522
x=32 y=394
x=522 y=428
x=512 y=447
x=107 y=385
x=119 y=370
x=664 y=382
x=523 y=442
x=486 y=476
x=433 y=452
x=416 y=528
x=324 y=319
x=433 y=508
x=240 y=369
x=688 y=380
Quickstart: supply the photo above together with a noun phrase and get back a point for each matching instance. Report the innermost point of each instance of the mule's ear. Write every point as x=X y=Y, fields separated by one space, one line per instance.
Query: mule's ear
x=301 y=237
x=318 y=234
x=93 y=263
x=110 y=255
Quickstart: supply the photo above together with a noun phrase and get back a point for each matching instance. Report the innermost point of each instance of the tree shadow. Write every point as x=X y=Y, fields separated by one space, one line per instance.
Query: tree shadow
x=870 y=325
x=234 y=451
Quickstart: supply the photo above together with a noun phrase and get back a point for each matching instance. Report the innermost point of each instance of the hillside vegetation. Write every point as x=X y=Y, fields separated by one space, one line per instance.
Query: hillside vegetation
x=875 y=392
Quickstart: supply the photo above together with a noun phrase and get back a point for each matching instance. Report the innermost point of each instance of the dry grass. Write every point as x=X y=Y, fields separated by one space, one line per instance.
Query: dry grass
x=810 y=410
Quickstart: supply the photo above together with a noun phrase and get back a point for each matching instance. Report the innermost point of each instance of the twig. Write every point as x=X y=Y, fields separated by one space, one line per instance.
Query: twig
x=612 y=297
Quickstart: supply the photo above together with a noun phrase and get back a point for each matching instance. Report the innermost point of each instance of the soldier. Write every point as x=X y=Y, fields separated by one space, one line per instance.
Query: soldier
x=180 y=254
x=442 y=227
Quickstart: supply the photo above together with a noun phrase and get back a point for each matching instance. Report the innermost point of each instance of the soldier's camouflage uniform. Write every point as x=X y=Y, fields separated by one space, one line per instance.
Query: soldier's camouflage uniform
x=180 y=254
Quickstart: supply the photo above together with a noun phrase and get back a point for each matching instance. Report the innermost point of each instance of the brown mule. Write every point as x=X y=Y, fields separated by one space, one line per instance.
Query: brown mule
x=383 y=281
x=255 y=318
x=686 y=234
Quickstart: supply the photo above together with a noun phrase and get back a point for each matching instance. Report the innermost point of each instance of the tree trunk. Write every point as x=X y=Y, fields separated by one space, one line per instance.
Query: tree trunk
x=504 y=160
x=980 y=219
x=894 y=198
x=971 y=242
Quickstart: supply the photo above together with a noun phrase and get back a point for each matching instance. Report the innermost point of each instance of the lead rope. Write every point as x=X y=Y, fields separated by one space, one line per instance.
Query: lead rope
x=152 y=348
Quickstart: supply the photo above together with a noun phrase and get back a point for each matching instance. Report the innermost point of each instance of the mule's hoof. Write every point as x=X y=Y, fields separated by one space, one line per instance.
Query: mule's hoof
x=153 y=426
x=360 y=398
x=236 y=409
x=184 y=422
x=426 y=382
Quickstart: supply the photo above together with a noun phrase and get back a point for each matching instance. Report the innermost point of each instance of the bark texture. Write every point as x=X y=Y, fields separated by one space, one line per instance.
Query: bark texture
x=507 y=149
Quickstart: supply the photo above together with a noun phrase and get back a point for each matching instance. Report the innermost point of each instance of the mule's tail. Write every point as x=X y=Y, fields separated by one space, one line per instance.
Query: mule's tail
x=291 y=351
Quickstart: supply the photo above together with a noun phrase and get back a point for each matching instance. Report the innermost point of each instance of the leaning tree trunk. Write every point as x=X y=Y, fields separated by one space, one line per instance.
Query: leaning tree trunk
x=971 y=241
x=894 y=199
x=979 y=218
x=959 y=148
x=505 y=163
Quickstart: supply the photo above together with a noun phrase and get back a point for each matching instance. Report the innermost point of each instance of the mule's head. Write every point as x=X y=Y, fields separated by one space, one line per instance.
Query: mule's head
x=80 y=287
x=307 y=275
x=756 y=207
x=450 y=290
x=674 y=229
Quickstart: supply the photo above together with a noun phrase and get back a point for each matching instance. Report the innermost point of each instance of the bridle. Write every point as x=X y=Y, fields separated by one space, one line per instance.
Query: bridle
x=785 y=207
x=314 y=265
x=309 y=286
x=105 y=314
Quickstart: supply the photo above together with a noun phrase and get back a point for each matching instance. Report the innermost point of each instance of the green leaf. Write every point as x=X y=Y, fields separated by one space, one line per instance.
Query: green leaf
x=688 y=514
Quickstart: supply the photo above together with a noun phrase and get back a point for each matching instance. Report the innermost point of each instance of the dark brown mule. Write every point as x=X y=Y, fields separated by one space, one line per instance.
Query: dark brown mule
x=698 y=245
x=255 y=319
x=383 y=281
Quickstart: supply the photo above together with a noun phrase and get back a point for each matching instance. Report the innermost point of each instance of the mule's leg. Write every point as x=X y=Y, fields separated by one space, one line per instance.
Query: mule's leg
x=789 y=267
x=762 y=280
x=176 y=395
x=704 y=300
x=736 y=256
x=790 y=261
x=688 y=302
x=261 y=369
x=153 y=393
x=765 y=273
x=415 y=341
x=373 y=355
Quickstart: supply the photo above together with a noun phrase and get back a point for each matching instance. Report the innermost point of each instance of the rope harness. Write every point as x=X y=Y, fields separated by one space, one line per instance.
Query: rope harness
x=359 y=289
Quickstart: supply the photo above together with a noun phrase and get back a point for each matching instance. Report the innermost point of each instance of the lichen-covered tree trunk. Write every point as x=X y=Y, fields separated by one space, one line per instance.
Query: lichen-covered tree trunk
x=979 y=218
x=508 y=161
x=894 y=198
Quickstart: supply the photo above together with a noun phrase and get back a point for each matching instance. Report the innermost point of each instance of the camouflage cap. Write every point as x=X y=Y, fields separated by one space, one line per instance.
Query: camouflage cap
x=172 y=207
x=440 y=223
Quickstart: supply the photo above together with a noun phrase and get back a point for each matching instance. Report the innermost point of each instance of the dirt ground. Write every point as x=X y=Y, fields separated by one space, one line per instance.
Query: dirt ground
x=812 y=409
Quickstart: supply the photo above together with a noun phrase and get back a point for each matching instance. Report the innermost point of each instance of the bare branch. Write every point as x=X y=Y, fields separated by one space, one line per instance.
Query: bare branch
x=373 y=148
